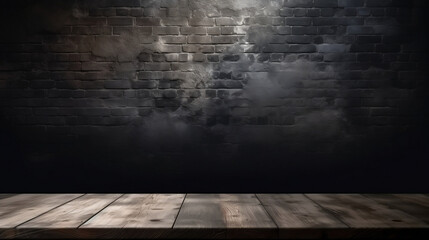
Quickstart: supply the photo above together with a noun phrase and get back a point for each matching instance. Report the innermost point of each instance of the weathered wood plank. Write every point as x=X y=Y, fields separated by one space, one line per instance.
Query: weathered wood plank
x=416 y=205
x=238 y=214
x=72 y=214
x=358 y=211
x=297 y=211
x=420 y=199
x=216 y=216
x=223 y=211
x=139 y=211
x=297 y=216
x=23 y=207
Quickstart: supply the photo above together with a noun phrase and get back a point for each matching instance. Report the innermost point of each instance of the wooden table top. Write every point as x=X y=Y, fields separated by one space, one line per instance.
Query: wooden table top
x=214 y=216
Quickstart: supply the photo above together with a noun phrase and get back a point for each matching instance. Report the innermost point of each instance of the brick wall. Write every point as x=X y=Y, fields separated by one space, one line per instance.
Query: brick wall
x=177 y=89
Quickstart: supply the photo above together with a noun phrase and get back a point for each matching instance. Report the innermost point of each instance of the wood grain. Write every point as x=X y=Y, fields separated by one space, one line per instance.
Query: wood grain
x=416 y=205
x=299 y=217
x=72 y=214
x=139 y=211
x=420 y=199
x=297 y=211
x=214 y=216
x=358 y=211
x=18 y=209
x=223 y=211
x=238 y=214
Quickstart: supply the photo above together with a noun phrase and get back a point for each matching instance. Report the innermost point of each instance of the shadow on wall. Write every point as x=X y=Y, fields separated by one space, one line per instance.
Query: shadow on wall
x=288 y=125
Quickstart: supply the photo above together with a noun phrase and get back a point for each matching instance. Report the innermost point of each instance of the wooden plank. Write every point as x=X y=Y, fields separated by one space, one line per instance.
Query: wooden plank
x=297 y=211
x=23 y=207
x=358 y=211
x=299 y=217
x=420 y=199
x=139 y=211
x=240 y=214
x=74 y=213
x=416 y=205
x=215 y=216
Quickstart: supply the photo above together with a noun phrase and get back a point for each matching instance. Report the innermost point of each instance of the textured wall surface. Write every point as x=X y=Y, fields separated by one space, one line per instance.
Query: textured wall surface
x=220 y=95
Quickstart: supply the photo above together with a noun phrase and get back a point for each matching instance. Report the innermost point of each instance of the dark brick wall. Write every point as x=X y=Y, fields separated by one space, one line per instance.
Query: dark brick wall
x=221 y=95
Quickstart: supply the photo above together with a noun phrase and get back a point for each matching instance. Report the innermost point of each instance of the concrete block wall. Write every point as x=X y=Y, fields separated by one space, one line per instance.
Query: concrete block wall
x=193 y=87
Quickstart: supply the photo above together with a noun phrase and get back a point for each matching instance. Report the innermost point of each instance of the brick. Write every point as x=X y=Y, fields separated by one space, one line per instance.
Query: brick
x=95 y=66
x=276 y=57
x=120 y=21
x=118 y=84
x=214 y=30
x=298 y=3
x=351 y=3
x=229 y=21
x=360 y=30
x=378 y=3
x=172 y=57
x=263 y=57
x=325 y=21
x=132 y=30
x=199 y=39
x=213 y=58
x=198 y=57
x=327 y=12
x=164 y=84
x=183 y=57
x=283 y=30
x=174 y=21
x=158 y=57
x=148 y=21
x=326 y=3
x=150 y=75
x=332 y=48
x=298 y=21
x=231 y=58
x=121 y=3
x=136 y=12
x=304 y=30
x=263 y=21
x=157 y=66
x=173 y=39
x=286 y=12
x=201 y=22
x=145 y=84
x=169 y=93
x=144 y=57
x=228 y=84
x=170 y=48
x=166 y=30
x=178 y=12
x=299 y=39
x=299 y=12
x=124 y=112
x=228 y=30
x=193 y=30
x=122 y=12
x=152 y=12
x=276 y=48
x=302 y=48
x=225 y=39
